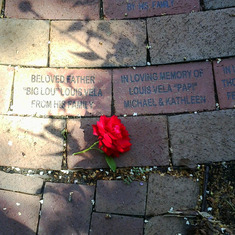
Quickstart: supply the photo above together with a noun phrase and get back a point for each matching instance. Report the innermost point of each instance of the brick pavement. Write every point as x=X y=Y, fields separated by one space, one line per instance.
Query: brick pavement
x=166 y=68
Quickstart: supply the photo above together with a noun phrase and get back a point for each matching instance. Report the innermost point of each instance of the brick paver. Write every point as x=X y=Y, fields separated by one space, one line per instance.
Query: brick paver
x=19 y=213
x=118 y=197
x=53 y=9
x=20 y=183
x=216 y=4
x=98 y=43
x=116 y=9
x=66 y=209
x=148 y=137
x=1 y=1
x=6 y=86
x=24 y=42
x=164 y=89
x=166 y=192
x=116 y=225
x=191 y=37
x=225 y=82
x=202 y=138
x=62 y=92
x=160 y=225
x=31 y=142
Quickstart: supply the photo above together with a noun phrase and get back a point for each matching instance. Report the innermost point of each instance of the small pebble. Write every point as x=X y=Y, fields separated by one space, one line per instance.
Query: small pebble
x=10 y=143
x=18 y=204
x=19 y=213
x=17 y=169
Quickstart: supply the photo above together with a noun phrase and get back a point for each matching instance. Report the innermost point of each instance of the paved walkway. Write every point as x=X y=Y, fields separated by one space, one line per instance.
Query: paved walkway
x=166 y=68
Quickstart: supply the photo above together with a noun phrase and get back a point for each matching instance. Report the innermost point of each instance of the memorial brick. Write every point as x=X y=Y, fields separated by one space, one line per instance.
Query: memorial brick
x=98 y=43
x=216 y=4
x=116 y=9
x=202 y=138
x=62 y=92
x=144 y=132
x=53 y=9
x=24 y=42
x=28 y=142
x=6 y=76
x=164 y=89
x=225 y=82
x=191 y=37
x=66 y=209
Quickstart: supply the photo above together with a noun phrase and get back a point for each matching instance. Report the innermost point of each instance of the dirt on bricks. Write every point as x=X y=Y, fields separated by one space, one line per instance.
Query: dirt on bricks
x=165 y=68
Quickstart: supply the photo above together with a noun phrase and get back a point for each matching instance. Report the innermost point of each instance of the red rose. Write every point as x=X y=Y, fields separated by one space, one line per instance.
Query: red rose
x=113 y=136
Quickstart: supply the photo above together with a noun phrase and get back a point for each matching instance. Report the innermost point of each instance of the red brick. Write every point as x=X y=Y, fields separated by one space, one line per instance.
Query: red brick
x=80 y=136
x=5 y=89
x=216 y=4
x=20 y=183
x=66 y=209
x=46 y=98
x=18 y=213
x=31 y=142
x=202 y=138
x=24 y=42
x=194 y=89
x=159 y=225
x=116 y=225
x=117 y=197
x=98 y=43
x=191 y=37
x=225 y=82
x=116 y=9
x=166 y=192
x=53 y=9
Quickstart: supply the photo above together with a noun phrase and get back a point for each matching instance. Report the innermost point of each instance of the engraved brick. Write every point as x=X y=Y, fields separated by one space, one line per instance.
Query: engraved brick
x=24 y=42
x=118 y=197
x=191 y=37
x=20 y=183
x=116 y=9
x=166 y=192
x=159 y=225
x=66 y=209
x=225 y=82
x=142 y=130
x=216 y=4
x=202 y=138
x=98 y=43
x=19 y=213
x=5 y=89
x=62 y=92
x=164 y=89
x=116 y=225
x=31 y=142
x=53 y=9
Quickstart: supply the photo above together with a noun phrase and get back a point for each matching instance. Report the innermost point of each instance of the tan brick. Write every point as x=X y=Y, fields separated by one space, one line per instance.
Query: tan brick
x=20 y=183
x=120 y=9
x=24 y=42
x=1 y=1
x=31 y=142
x=159 y=225
x=98 y=43
x=153 y=128
x=62 y=92
x=164 y=89
x=19 y=213
x=6 y=76
x=225 y=82
x=53 y=9
x=166 y=192
x=195 y=36
x=202 y=138
x=216 y=4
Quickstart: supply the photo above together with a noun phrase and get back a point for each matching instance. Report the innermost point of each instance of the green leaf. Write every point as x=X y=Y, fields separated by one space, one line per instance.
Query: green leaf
x=112 y=164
